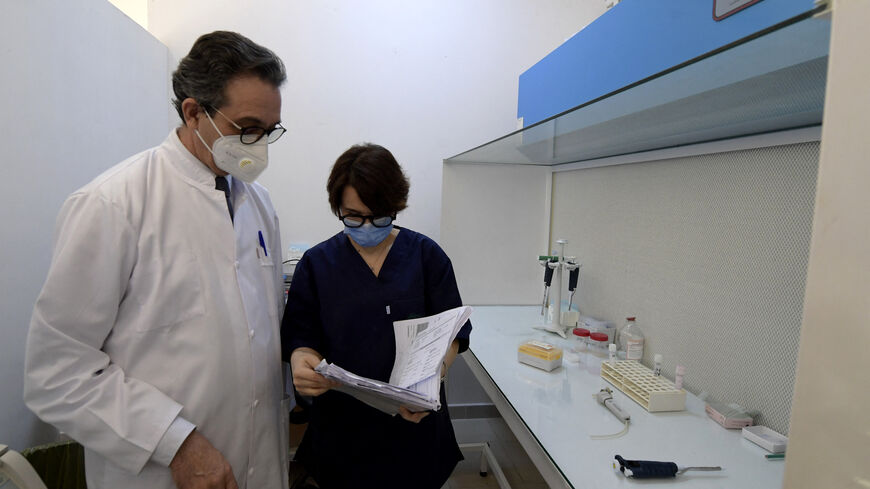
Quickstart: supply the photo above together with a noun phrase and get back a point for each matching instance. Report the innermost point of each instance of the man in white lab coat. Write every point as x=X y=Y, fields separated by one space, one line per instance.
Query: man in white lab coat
x=154 y=342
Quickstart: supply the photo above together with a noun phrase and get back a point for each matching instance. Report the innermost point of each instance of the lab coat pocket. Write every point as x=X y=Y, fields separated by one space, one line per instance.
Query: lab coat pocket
x=267 y=263
x=168 y=290
x=267 y=269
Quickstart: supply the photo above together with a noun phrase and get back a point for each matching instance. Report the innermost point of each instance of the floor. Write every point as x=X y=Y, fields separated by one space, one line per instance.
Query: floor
x=518 y=469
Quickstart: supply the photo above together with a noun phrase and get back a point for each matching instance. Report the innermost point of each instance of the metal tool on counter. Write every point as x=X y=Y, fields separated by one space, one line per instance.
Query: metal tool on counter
x=648 y=469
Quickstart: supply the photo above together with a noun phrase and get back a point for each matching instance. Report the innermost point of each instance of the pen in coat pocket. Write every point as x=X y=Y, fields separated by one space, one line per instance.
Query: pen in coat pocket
x=263 y=243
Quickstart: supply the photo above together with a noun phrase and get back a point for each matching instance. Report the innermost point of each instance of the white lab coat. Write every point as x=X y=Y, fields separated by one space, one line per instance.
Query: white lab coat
x=157 y=306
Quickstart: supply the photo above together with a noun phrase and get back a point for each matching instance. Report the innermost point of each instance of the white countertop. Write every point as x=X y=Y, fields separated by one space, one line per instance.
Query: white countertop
x=559 y=409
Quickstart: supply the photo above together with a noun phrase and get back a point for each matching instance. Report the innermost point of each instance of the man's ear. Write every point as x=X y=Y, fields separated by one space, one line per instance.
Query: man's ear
x=191 y=110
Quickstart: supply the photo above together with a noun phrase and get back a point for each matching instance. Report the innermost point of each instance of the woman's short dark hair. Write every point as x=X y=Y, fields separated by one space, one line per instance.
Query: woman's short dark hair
x=217 y=58
x=375 y=175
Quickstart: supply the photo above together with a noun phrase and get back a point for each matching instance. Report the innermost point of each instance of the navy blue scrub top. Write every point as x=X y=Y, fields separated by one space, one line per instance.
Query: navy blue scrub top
x=339 y=308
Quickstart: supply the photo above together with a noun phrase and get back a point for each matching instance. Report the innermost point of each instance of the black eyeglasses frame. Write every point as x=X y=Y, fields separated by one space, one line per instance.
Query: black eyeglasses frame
x=256 y=131
x=363 y=219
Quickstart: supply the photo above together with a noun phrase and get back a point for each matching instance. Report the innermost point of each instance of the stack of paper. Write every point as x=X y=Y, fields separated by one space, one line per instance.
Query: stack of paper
x=415 y=380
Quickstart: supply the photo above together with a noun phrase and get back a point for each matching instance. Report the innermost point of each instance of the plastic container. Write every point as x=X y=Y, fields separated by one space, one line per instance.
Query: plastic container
x=598 y=326
x=575 y=345
x=731 y=416
x=597 y=352
x=766 y=438
x=580 y=339
x=631 y=340
x=570 y=318
x=539 y=354
x=678 y=376
x=657 y=364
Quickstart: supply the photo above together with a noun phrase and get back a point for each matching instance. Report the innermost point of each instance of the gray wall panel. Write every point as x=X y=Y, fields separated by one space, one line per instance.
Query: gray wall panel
x=710 y=253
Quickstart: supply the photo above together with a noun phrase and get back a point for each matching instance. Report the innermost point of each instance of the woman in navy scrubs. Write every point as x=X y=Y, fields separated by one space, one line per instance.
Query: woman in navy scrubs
x=345 y=295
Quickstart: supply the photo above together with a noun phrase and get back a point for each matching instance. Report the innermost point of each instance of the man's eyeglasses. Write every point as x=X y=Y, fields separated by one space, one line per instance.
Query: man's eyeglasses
x=355 y=220
x=252 y=134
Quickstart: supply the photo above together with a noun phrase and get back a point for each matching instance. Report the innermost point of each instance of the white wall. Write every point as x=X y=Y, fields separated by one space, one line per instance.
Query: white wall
x=135 y=9
x=427 y=79
x=829 y=440
x=83 y=87
x=495 y=223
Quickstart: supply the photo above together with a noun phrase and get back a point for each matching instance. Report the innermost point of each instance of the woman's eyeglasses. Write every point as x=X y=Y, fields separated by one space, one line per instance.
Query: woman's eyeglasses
x=356 y=220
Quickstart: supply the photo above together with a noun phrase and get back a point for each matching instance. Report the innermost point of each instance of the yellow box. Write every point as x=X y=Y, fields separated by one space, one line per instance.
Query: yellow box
x=539 y=354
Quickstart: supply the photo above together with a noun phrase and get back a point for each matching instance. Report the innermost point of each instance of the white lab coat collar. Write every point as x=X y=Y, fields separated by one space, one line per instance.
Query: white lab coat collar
x=196 y=172
x=190 y=167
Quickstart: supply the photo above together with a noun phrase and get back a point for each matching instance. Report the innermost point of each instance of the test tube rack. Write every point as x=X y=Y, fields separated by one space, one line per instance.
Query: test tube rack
x=654 y=393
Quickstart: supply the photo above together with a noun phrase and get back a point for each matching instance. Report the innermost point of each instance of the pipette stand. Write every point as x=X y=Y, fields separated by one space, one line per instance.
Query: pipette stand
x=553 y=314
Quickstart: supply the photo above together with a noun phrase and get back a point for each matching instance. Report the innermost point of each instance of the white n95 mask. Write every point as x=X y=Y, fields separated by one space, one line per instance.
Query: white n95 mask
x=243 y=161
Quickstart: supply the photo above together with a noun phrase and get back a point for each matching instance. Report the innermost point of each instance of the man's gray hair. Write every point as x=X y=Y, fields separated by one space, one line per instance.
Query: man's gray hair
x=214 y=60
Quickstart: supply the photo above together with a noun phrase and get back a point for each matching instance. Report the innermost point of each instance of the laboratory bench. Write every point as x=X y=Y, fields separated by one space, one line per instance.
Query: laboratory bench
x=553 y=414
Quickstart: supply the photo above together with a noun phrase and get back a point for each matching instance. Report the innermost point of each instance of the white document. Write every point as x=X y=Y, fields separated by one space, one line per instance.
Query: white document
x=422 y=343
x=415 y=380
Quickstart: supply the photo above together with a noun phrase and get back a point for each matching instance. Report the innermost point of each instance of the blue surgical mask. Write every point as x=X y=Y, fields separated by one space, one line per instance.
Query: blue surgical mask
x=368 y=235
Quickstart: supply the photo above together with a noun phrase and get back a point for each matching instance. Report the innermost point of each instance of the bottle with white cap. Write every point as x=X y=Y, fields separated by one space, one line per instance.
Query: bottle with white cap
x=631 y=340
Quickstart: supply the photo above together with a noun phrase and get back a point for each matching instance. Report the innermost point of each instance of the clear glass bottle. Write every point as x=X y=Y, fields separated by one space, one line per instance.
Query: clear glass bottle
x=631 y=340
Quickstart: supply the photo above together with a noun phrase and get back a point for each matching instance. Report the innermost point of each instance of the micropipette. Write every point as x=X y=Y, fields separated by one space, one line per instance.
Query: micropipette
x=648 y=469
x=605 y=397
x=548 y=279
x=573 y=276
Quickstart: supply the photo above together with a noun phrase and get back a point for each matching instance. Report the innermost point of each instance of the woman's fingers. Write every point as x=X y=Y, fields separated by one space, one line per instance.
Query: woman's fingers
x=305 y=379
x=411 y=416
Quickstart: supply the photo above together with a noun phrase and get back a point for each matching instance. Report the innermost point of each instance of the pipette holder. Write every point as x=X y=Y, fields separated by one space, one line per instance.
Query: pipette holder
x=561 y=264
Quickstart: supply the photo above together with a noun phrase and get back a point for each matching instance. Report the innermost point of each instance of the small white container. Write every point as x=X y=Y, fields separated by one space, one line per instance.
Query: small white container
x=657 y=364
x=678 y=376
x=766 y=438
x=539 y=354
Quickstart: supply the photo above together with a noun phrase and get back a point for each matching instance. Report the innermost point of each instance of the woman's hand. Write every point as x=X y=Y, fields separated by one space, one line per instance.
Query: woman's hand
x=411 y=416
x=305 y=379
